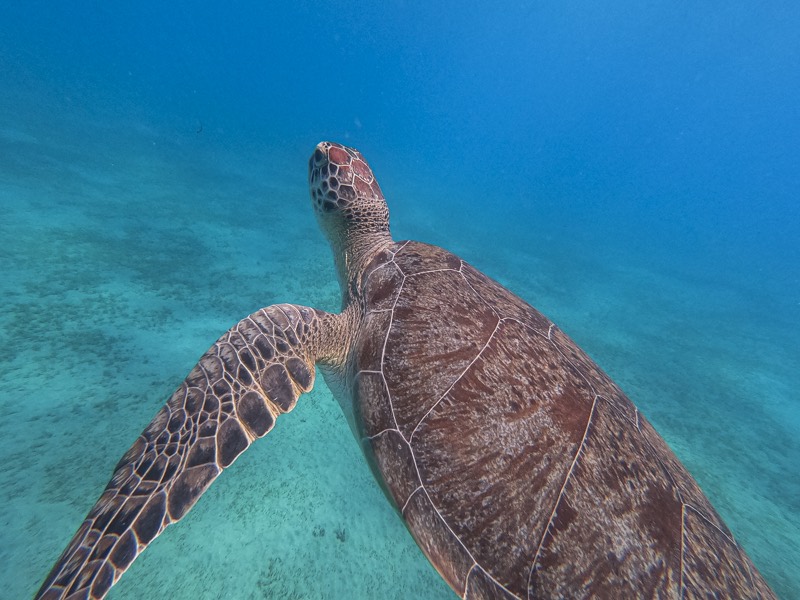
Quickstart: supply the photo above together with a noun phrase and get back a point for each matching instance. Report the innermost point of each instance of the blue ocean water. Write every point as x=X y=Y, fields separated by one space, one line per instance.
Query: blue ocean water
x=630 y=169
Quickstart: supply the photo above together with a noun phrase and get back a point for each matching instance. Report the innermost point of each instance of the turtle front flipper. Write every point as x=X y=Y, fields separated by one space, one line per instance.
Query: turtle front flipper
x=252 y=374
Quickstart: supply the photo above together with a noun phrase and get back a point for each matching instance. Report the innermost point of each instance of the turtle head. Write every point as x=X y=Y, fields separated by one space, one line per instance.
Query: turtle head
x=346 y=196
x=349 y=205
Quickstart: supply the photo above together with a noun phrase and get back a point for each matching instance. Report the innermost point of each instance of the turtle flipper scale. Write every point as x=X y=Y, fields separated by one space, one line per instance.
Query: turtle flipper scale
x=253 y=373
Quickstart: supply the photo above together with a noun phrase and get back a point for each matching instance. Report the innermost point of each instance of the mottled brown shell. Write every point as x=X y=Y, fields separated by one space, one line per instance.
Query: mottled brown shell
x=519 y=467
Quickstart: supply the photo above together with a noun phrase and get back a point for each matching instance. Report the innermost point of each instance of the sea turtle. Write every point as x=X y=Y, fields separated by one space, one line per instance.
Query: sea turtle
x=519 y=467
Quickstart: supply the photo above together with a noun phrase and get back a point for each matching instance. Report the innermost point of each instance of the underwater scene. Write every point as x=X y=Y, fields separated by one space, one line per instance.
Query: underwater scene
x=630 y=169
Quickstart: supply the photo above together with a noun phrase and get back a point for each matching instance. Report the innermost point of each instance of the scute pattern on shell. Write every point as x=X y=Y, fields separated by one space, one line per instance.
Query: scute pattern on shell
x=520 y=468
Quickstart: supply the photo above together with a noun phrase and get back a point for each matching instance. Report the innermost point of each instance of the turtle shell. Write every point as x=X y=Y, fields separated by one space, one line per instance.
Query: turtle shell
x=519 y=467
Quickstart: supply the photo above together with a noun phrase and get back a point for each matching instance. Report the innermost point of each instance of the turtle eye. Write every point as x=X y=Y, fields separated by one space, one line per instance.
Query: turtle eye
x=329 y=201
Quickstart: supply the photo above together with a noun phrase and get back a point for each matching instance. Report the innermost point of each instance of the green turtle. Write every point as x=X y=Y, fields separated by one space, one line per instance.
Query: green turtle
x=518 y=466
